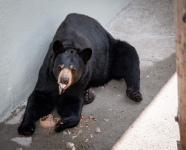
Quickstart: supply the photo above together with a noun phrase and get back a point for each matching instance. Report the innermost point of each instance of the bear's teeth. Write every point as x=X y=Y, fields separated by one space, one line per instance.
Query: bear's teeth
x=60 y=90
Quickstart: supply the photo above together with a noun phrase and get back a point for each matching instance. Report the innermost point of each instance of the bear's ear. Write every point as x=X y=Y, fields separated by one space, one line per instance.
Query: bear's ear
x=58 y=47
x=85 y=54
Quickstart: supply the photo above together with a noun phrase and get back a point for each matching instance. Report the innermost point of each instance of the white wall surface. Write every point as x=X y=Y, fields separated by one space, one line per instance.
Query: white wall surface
x=26 y=30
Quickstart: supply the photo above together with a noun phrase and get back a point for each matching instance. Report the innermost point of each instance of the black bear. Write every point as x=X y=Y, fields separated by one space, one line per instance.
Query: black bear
x=82 y=55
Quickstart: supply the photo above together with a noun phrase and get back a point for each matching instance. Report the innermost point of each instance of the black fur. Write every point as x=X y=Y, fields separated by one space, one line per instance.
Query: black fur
x=98 y=57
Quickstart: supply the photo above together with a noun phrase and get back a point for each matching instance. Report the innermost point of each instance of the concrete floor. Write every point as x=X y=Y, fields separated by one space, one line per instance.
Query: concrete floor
x=125 y=125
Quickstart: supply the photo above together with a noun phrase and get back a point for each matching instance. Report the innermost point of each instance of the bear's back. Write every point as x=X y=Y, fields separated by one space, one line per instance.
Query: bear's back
x=88 y=28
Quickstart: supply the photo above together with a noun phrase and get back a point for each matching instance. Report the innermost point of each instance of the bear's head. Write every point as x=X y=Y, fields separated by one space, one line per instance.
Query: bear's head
x=69 y=64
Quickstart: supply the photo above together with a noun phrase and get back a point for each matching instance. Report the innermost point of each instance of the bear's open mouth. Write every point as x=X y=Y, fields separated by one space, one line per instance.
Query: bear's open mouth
x=62 y=85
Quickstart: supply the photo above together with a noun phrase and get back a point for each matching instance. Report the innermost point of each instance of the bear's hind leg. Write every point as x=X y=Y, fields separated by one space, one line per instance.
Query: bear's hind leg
x=89 y=96
x=125 y=65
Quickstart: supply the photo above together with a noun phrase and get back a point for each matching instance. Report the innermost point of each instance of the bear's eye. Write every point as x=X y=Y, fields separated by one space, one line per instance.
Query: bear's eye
x=59 y=68
x=73 y=70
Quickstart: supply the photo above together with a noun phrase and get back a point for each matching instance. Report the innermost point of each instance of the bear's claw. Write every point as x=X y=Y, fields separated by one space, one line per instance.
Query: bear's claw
x=89 y=96
x=26 y=129
x=134 y=95
x=59 y=126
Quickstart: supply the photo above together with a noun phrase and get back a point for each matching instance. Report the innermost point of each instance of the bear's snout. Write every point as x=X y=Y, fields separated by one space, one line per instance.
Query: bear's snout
x=64 y=80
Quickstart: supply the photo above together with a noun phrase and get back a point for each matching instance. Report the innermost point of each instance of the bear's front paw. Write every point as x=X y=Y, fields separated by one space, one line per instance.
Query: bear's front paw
x=26 y=129
x=89 y=96
x=59 y=126
x=134 y=95
x=68 y=122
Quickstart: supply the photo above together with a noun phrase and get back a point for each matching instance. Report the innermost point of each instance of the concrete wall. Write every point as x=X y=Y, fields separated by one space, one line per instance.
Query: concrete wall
x=26 y=29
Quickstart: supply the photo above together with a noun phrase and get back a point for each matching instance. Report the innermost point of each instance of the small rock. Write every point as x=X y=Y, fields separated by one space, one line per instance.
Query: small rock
x=79 y=132
x=65 y=133
x=98 y=130
x=106 y=119
x=70 y=145
x=75 y=136
x=69 y=132
x=86 y=140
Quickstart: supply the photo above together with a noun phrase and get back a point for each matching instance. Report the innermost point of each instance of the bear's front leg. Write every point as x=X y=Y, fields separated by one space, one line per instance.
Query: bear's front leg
x=39 y=104
x=69 y=108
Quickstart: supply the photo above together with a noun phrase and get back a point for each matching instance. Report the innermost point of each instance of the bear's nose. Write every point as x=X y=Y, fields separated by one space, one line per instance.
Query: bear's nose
x=64 y=80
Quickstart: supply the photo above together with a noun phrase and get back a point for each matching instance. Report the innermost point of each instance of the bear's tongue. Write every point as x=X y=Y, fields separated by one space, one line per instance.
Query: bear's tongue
x=62 y=85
